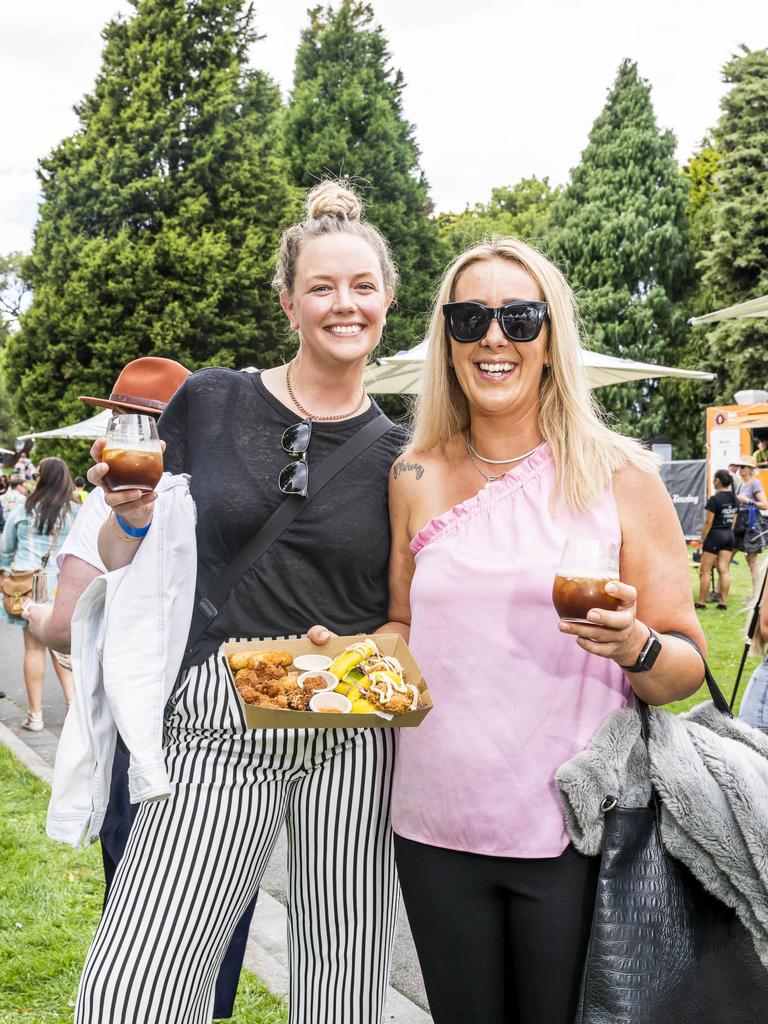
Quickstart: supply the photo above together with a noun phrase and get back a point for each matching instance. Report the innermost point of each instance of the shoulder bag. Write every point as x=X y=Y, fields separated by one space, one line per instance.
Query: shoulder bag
x=17 y=587
x=207 y=607
x=663 y=950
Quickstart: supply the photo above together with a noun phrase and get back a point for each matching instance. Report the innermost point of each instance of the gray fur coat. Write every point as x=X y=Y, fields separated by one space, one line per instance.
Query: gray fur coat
x=711 y=775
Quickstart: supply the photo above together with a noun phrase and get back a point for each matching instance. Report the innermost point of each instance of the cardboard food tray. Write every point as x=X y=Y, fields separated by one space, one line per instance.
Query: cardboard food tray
x=391 y=644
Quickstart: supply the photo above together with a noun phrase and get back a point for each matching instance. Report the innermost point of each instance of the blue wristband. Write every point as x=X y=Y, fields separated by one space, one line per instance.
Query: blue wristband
x=132 y=531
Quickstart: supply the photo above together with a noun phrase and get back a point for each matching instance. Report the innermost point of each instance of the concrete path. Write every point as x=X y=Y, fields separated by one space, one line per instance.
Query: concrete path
x=266 y=953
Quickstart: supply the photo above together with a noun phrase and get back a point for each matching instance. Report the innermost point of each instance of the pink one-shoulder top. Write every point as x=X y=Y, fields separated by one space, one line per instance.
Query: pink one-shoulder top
x=514 y=697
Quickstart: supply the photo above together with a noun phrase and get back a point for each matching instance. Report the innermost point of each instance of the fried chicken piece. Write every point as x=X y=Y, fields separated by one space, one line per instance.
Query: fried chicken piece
x=276 y=703
x=267 y=672
x=247 y=677
x=249 y=695
x=398 y=703
x=238 y=661
x=282 y=658
x=298 y=700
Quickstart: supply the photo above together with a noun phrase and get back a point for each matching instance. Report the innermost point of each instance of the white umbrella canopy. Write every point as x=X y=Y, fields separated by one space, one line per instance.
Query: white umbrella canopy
x=755 y=307
x=400 y=374
x=85 y=430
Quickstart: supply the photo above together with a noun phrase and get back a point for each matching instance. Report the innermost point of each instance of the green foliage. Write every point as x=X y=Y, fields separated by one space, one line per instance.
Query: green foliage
x=735 y=264
x=620 y=234
x=345 y=117
x=160 y=214
x=522 y=210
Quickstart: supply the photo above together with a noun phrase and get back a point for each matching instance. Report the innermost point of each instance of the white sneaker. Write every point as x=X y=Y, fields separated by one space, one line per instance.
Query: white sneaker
x=33 y=722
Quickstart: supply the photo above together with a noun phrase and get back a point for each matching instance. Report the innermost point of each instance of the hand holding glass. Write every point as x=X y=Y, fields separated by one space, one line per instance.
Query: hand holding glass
x=585 y=568
x=133 y=453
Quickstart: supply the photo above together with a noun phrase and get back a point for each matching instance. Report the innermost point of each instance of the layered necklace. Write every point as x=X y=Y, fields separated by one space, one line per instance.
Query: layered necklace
x=478 y=459
x=310 y=415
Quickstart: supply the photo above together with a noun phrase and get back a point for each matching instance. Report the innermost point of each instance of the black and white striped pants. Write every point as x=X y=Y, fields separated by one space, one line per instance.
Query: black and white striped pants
x=194 y=861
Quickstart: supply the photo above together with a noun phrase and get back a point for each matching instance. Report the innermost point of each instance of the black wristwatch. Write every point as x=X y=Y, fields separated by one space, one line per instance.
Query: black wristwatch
x=646 y=659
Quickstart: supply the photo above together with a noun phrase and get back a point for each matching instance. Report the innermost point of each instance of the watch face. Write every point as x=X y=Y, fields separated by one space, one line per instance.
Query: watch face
x=651 y=652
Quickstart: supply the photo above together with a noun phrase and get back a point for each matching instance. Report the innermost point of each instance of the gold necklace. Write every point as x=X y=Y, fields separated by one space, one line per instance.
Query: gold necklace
x=310 y=415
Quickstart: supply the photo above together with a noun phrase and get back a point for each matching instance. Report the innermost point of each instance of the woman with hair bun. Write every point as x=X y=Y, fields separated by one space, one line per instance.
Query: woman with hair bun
x=509 y=459
x=194 y=861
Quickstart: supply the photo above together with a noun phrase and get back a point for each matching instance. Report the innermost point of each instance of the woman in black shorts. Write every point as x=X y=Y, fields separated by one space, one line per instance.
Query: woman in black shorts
x=718 y=541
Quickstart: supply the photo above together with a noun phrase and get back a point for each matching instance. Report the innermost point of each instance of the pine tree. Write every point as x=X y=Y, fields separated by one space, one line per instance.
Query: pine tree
x=345 y=117
x=621 y=236
x=160 y=214
x=522 y=210
x=735 y=262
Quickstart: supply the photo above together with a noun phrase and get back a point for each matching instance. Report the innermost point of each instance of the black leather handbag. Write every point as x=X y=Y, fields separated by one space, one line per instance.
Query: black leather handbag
x=662 y=949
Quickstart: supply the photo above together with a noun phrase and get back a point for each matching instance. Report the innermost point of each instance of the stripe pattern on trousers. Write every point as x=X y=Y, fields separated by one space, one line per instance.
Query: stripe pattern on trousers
x=194 y=861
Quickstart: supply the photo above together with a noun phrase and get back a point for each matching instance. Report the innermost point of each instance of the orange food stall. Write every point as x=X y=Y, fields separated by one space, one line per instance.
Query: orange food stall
x=733 y=431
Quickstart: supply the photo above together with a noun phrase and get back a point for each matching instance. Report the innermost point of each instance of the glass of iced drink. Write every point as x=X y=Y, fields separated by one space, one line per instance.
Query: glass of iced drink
x=132 y=452
x=585 y=568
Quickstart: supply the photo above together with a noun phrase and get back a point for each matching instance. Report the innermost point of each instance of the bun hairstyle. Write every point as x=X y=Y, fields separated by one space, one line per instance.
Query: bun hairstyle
x=331 y=208
x=331 y=199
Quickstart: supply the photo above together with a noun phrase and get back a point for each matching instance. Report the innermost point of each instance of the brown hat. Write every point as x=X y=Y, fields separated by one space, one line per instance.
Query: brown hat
x=747 y=460
x=145 y=385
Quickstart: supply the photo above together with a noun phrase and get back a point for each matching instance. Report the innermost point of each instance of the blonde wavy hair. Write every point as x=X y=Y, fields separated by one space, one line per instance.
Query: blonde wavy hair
x=586 y=452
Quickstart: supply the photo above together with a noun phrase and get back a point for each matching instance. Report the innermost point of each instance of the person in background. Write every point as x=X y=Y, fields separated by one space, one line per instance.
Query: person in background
x=751 y=500
x=33 y=530
x=145 y=386
x=16 y=494
x=509 y=459
x=754 y=706
x=80 y=492
x=25 y=468
x=761 y=452
x=718 y=541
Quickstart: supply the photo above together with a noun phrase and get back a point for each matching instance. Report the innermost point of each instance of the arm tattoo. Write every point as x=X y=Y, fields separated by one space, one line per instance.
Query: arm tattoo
x=405 y=467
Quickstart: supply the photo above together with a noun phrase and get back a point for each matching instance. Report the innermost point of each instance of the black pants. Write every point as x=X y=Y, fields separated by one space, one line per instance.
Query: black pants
x=500 y=940
x=114 y=836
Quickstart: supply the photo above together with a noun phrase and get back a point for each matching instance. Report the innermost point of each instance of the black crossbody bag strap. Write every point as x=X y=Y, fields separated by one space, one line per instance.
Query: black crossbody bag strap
x=207 y=607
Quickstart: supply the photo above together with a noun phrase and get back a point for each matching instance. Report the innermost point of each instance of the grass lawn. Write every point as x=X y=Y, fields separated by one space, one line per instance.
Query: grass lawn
x=50 y=903
x=50 y=895
x=725 y=633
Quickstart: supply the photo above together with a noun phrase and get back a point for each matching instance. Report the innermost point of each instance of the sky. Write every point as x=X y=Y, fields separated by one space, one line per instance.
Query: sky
x=497 y=90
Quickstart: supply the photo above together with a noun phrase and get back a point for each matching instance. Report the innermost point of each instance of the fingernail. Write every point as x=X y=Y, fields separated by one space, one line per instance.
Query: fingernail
x=611 y=588
x=324 y=634
x=564 y=627
x=594 y=616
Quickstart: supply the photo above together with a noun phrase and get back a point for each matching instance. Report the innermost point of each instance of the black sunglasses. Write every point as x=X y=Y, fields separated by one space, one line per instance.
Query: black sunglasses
x=294 y=478
x=469 y=321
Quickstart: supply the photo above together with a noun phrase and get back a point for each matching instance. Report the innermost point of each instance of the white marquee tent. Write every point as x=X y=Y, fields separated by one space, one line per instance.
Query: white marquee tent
x=85 y=430
x=755 y=307
x=400 y=374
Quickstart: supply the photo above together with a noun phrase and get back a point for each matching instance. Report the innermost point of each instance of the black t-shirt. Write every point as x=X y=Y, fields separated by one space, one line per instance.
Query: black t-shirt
x=723 y=505
x=330 y=565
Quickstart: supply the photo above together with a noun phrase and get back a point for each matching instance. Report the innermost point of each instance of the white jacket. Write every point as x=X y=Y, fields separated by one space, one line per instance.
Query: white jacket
x=129 y=631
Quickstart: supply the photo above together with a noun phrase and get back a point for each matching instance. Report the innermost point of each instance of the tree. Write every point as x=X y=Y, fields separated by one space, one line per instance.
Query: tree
x=160 y=214
x=345 y=117
x=620 y=233
x=12 y=297
x=522 y=210
x=734 y=264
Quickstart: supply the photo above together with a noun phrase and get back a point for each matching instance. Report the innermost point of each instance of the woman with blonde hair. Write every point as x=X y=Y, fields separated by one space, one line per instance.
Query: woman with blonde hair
x=250 y=442
x=754 y=706
x=509 y=459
